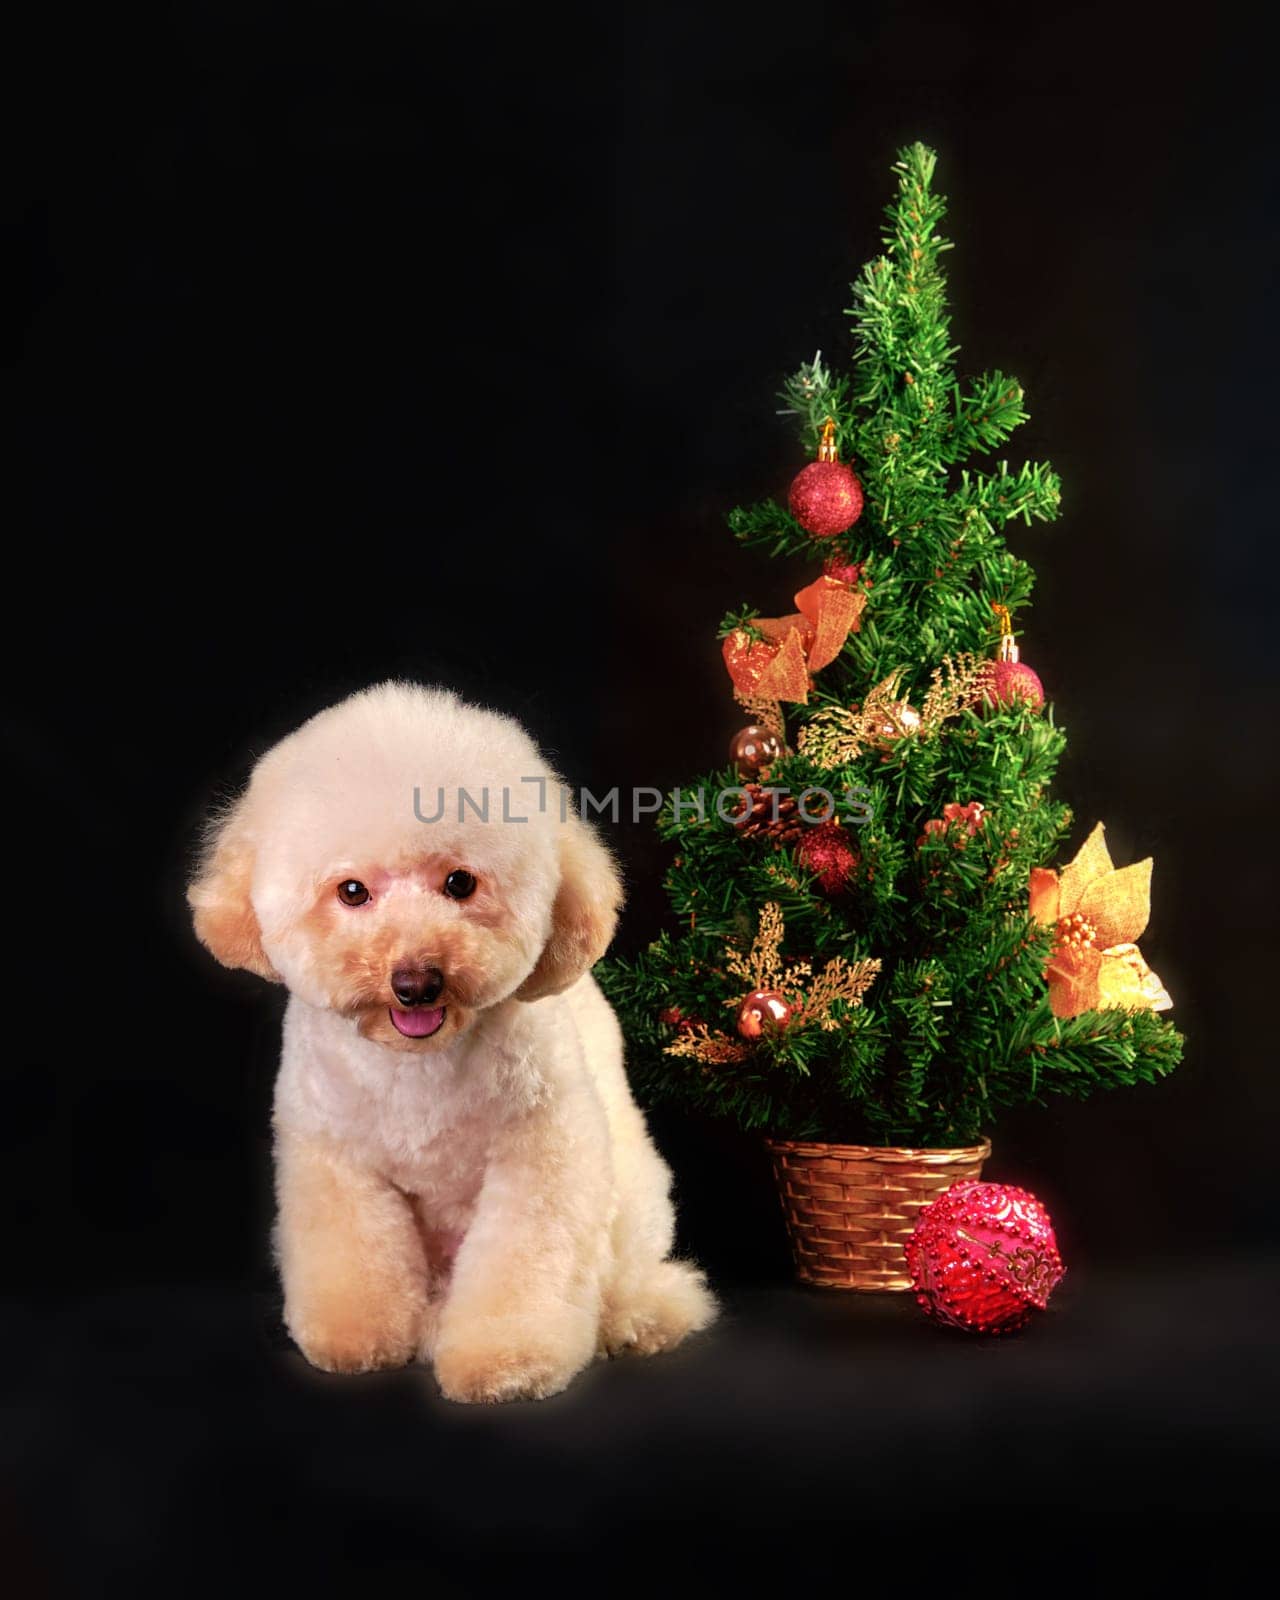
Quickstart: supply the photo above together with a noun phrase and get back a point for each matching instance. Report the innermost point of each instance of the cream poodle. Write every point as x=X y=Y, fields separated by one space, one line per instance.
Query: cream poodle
x=461 y=1172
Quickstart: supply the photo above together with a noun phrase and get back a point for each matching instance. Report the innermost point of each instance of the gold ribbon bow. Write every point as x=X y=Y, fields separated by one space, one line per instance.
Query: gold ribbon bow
x=780 y=665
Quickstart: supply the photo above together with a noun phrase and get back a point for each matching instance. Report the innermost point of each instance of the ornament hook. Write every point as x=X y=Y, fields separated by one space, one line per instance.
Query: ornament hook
x=1008 y=649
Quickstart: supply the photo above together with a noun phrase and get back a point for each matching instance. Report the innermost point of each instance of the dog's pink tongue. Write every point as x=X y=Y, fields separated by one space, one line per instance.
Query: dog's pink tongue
x=418 y=1024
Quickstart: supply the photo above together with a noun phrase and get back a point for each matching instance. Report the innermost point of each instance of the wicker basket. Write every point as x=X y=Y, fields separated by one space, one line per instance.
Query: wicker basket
x=850 y=1208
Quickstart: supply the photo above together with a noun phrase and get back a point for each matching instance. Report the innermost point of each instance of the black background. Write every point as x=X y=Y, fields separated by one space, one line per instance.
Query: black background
x=403 y=341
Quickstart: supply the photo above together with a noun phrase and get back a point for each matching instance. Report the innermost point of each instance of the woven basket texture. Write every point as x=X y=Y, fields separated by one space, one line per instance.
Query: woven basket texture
x=851 y=1208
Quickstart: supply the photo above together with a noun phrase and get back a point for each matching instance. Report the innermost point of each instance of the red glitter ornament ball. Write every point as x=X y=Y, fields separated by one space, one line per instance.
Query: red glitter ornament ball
x=1014 y=680
x=983 y=1257
x=825 y=851
x=842 y=569
x=826 y=498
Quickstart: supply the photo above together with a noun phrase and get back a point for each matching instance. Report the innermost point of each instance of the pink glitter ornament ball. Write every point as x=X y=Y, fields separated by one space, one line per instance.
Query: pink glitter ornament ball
x=1011 y=678
x=1014 y=680
x=983 y=1257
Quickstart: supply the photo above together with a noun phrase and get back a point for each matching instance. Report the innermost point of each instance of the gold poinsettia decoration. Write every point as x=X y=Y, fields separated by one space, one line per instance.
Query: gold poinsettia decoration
x=1099 y=911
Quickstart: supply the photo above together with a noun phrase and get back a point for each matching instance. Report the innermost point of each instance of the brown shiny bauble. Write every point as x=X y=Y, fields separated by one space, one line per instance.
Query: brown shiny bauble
x=753 y=748
x=764 y=1010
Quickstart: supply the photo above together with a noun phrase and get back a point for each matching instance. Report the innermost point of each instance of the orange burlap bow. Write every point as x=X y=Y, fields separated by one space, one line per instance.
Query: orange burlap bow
x=1099 y=911
x=779 y=666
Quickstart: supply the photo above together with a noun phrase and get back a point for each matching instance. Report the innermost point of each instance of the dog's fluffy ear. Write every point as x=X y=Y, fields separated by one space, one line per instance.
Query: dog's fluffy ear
x=583 y=917
x=218 y=895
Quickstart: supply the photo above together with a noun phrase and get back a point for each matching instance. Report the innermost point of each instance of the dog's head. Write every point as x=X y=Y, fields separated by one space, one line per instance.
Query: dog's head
x=406 y=860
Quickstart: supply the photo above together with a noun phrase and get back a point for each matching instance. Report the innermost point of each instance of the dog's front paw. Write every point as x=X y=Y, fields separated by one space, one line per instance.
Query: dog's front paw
x=502 y=1361
x=350 y=1337
x=499 y=1374
x=657 y=1310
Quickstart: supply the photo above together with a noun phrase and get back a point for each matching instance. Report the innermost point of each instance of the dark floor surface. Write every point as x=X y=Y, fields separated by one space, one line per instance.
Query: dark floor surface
x=173 y=1439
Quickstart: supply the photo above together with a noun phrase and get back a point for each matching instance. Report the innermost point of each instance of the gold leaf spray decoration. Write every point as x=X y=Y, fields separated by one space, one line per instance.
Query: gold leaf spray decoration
x=957 y=684
x=765 y=713
x=837 y=735
x=763 y=967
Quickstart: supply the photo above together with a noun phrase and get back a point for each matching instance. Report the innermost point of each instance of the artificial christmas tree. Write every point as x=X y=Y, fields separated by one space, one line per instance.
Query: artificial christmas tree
x=894 y=981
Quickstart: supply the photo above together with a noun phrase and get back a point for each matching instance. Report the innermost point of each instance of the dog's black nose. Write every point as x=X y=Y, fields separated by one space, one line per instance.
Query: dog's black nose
x=417 y=986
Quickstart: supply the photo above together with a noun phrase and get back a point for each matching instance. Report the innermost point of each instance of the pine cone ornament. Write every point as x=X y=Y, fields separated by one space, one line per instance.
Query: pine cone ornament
x=759 y=820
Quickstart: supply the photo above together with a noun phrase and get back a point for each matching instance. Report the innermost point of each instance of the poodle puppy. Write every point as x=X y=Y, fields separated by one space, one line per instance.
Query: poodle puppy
x=462 y=1175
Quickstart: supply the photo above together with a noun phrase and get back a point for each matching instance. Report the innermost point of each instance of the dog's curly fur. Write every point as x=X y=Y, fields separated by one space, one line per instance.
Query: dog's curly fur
x=486 y=1197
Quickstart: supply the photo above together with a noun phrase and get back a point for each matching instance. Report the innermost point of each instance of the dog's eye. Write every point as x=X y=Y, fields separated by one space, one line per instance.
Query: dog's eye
x=459 y=884
x=352 y=892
